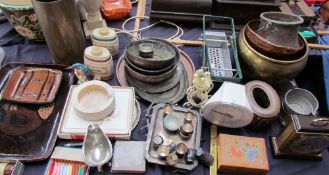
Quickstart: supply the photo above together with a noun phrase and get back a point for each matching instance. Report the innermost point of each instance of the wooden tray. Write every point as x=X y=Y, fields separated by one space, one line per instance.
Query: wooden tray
x=33 y=137
x=32 y=85
x=156 y=128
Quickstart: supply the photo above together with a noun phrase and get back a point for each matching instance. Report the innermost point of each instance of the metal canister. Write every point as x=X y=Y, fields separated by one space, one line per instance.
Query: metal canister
x=106 y=37
x=167 y=109
x=172 y=147
x=146 y=50
x=163 y=151
x=204 y=157
x=99 y=62
x=190 y=156
x=181 y=149
x=157 y=141
x=172 y=159
x=186 y=131
x=189 y=116
x=60 y=24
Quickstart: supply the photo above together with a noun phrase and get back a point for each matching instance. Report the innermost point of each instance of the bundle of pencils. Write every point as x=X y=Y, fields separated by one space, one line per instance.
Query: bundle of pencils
x=66 y=167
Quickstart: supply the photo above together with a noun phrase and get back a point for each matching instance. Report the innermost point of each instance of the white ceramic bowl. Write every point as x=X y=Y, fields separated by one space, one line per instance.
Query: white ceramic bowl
x=94 y=100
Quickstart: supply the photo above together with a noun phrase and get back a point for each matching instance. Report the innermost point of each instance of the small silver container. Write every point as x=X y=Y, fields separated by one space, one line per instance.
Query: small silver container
x=299 y=101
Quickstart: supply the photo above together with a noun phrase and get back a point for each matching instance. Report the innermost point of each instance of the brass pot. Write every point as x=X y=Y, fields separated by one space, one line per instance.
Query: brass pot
x=258 y=66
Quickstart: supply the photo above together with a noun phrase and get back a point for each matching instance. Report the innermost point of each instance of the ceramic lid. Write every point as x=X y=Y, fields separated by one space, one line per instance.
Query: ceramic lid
x=104 y=33
x=97 y=53
x=16 y=4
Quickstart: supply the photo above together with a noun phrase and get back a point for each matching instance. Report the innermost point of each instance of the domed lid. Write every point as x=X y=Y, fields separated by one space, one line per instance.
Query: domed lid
x=97 y=53
x=104 y=33
x=16 y=4
x=161 y=50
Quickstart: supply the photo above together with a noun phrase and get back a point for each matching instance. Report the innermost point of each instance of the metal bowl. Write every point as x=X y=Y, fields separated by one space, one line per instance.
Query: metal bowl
x=150 y=71
x=150 y=78
x=300 y=102
x=268 y=48
x=258 y=66
x=164 y=54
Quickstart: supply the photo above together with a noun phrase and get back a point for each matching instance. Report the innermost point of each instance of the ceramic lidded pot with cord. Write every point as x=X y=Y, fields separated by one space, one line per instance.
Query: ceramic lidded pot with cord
x=21 y=15
x=106 y=37
x=99 y=61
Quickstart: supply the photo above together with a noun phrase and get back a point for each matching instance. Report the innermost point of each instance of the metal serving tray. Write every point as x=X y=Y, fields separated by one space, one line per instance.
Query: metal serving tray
x=156 y=128
x=19 y=142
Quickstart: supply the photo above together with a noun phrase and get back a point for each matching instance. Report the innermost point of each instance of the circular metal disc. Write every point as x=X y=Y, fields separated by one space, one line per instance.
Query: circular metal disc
x=184 y=58
x=172 y=96
x=158 y=87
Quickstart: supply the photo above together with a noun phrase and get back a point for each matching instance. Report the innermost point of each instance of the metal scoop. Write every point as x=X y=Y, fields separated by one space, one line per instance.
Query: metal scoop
x=97 y=148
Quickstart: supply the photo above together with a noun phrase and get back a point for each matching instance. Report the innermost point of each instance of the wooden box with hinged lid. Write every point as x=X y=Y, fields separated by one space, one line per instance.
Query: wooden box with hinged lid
x=304 y=138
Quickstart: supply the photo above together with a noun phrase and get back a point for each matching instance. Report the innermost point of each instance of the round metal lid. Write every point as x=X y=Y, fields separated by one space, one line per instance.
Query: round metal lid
x=161 y=51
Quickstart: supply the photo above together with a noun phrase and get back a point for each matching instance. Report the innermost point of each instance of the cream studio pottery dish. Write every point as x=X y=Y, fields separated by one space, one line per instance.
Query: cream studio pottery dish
x=94 y=100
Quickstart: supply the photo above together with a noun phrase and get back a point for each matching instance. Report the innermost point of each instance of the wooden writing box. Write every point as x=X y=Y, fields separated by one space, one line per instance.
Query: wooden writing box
x=242 y=155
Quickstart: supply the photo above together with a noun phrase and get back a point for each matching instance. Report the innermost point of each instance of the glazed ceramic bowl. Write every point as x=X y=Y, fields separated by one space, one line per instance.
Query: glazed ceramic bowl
x=260 y=67
x=94 y=100
x=21 y=15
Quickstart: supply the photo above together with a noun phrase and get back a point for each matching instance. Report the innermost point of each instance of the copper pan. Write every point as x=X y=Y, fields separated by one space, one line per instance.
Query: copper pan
x=270 y=49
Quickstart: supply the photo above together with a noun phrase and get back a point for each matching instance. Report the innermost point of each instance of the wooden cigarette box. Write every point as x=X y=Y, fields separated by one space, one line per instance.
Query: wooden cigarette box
x=242 y=155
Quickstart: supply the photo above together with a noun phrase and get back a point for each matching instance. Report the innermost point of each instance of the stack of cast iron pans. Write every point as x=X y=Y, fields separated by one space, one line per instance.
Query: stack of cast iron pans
x=153 y=68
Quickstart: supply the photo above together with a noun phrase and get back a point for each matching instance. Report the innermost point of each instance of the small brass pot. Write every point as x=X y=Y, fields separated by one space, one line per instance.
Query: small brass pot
x=258 y=66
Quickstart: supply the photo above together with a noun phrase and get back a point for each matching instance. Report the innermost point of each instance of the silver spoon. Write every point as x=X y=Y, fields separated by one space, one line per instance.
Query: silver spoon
x=97 y=148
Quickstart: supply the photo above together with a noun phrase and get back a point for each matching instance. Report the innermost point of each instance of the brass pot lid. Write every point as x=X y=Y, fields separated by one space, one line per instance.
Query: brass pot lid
x=157 y=87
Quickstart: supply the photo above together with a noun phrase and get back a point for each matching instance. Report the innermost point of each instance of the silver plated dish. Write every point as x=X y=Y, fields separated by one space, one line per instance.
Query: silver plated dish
x=156 y=128
x=97 y=149
x=150 y=71
x=158 y=87
x=150 y=78
x=172 y=96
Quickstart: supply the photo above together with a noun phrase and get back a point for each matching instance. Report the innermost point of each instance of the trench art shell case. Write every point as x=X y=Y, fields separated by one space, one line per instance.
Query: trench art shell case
x=156 y=128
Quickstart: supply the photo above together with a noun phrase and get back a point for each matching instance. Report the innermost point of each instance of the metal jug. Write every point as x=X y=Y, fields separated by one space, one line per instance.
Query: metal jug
x=97 y=148
x=280 y=28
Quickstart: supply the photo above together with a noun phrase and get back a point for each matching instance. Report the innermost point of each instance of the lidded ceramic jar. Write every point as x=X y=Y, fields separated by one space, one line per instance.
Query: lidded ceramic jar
x=106 y=37
x=99 y=61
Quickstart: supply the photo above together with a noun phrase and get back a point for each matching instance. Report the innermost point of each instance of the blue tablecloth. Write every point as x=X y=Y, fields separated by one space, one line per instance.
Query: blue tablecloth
x=20 y=50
